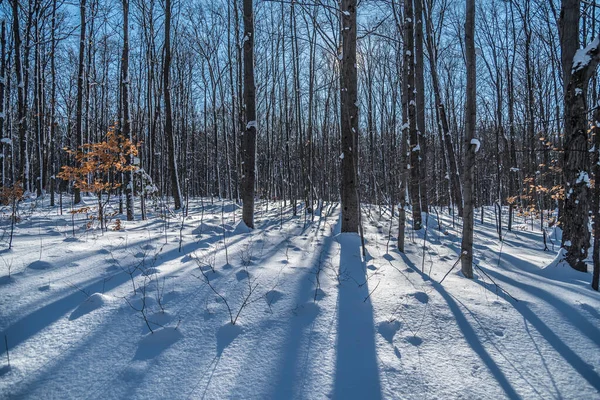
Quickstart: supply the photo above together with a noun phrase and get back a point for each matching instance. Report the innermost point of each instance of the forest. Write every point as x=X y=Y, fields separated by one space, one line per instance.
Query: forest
x=330 y=194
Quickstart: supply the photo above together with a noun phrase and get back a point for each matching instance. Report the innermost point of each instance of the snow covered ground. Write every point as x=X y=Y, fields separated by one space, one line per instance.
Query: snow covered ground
x=318 y=320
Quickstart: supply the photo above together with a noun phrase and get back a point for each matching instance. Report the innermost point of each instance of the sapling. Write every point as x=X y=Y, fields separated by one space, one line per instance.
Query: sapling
x=143 y=310
x=251 y=289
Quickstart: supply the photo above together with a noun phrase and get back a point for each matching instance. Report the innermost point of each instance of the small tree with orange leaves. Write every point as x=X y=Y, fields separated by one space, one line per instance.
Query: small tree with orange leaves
x=99 y=165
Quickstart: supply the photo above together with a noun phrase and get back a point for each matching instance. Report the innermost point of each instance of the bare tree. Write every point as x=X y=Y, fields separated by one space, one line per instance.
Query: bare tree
x=249 y=138
x=80 y=81
x=349 y=119
x=126 y=122
x=169 y=135
x=469 y=162
x=21 y=98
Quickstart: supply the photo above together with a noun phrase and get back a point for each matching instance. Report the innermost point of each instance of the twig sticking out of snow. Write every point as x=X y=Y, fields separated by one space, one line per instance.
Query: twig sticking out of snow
x=494 y=282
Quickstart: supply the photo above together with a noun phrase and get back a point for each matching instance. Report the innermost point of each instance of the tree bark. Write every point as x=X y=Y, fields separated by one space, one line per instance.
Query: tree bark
x=21 y=102
x=576 y=234
x=420 y=100
x=126 y=122
x=349 y=119
x=469 y=162
x=80 y=79
x=414 y=149
x=596 y=202
x=249 y=136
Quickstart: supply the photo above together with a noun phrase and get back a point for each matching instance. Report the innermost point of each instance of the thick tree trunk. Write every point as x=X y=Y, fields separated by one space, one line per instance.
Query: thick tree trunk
x=576 y=234
x=249 y=136
x=469 y=161
x=580 y=65
x=414 y=149
x=349 y=119
x=169 y=136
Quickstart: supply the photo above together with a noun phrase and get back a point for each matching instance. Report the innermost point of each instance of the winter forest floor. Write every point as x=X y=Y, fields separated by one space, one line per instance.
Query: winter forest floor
x=317 y=319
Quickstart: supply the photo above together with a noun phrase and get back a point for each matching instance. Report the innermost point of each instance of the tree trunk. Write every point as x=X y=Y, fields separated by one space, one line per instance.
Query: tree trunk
x=21 y=102
x=169 y=136
x=349 y=119
x=414 y=149
x=578 y=71
x=596 y=202
x=249 y=136
x=80 y=78
x=420 y=100
x=451 y=165
x=469 y=162
x=126 y=122
x=53 y=105
x=2 y=96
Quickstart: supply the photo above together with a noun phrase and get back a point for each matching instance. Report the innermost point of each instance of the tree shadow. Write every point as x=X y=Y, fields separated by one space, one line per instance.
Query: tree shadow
x=292 y=369
x=470 y=335
x=356 y=372
x=570 y=313
x=33 y=323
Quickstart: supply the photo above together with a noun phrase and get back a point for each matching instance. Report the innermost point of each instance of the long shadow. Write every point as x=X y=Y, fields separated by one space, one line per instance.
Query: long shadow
x=470 y=335
x=292 y=368
x=39 y=319
x=567 y=311
x=585 y=327
x=357 y=372
x=31 y=324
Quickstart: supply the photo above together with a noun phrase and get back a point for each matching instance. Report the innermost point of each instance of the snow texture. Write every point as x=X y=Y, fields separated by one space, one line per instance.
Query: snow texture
x=324 y=321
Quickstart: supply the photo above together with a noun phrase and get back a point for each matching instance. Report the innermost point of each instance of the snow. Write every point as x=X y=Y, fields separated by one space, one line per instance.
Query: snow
x=251 y=124
x=582 y=56
x=322 y=320
x=476 y=143
x=6 y=140
x=342 y=156
x=583 y=177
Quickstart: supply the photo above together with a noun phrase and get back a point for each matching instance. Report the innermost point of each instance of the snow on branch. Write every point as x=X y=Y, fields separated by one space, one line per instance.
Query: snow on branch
x=583 y=57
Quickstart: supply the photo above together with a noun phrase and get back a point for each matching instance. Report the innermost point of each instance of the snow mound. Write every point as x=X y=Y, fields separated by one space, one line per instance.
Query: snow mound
x=159 y=320
x=273 y=296
x=155 y=343
x=205 y=228
x=241 y=227
x=142 y=302
x=559 y=269
x=388 y=329
x=94 y=302
x=40 y=265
